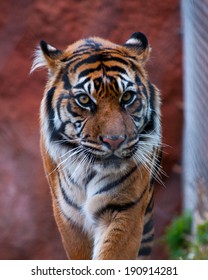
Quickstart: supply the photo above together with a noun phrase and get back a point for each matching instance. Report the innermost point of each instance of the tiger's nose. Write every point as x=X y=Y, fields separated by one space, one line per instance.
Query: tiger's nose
x=113 y=141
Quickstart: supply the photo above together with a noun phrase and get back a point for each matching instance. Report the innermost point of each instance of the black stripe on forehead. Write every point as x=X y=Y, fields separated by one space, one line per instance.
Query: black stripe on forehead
x=100 y=58
x=115 y=59
x=116 y=69
x=81 y=84
x=89 y=71
x=92 y=44
x=86 y=48
x=89 y=60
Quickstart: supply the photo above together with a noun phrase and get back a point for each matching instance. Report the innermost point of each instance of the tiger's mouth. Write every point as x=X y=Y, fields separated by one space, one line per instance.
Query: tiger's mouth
x=116 y=157
x=111 y=158
x=94 y=153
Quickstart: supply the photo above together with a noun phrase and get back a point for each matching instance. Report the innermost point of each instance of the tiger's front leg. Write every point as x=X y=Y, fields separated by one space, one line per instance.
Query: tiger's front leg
x=76 y=242
x=121 y=238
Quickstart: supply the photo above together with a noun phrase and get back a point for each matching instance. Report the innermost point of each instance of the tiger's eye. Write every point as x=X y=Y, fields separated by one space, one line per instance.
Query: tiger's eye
x=84 y=99
x=128 y=97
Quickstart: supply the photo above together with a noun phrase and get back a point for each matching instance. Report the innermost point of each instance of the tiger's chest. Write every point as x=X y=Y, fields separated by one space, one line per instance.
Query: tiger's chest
x=80 y=197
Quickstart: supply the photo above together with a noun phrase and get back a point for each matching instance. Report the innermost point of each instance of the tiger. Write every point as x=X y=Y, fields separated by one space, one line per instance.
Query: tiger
x=100 y=142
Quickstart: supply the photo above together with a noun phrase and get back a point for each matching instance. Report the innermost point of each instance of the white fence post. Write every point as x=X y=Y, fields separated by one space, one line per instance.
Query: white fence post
x=195 y=157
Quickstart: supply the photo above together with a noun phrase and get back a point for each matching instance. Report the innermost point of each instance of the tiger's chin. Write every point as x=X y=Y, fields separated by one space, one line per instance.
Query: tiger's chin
x=110 y=161
x=114 y=162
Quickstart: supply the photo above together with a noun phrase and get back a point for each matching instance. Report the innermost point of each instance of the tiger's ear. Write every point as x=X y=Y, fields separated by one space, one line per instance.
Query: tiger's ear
x=138 y=43
x=46 y=56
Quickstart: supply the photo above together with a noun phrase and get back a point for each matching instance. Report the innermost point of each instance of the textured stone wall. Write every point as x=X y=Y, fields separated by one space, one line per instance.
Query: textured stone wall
x=27 y=227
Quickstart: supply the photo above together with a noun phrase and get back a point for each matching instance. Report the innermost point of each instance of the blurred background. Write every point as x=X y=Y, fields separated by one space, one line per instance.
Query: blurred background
x=27 y=226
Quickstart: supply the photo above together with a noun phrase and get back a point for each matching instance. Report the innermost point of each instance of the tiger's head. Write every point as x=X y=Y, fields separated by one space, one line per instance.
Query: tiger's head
x=99 y=106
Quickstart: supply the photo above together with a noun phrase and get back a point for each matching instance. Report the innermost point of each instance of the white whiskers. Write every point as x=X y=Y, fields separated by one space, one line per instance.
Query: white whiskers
x=68 y=156
x=78 y=159
x=145 y=156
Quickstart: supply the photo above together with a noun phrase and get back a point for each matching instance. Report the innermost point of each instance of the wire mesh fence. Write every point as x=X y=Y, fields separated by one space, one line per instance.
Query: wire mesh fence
x=195 y=158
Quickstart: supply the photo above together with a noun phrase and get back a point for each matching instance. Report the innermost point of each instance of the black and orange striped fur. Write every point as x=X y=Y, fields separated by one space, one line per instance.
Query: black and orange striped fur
x=101 y=146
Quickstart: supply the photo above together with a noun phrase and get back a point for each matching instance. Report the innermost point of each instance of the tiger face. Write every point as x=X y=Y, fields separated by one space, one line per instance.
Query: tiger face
x=99 y=106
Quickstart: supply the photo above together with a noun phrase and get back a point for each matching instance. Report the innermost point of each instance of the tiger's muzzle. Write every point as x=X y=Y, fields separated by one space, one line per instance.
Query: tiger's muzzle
x=113 y=141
